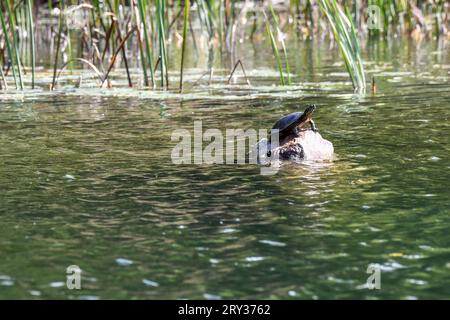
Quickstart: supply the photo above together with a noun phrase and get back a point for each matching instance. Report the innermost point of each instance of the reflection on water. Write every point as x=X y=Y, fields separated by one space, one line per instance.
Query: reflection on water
x=86 y=179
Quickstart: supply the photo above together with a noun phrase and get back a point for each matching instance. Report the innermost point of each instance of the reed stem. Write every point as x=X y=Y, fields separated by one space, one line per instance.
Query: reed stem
x=183 y=49
x=32 y=42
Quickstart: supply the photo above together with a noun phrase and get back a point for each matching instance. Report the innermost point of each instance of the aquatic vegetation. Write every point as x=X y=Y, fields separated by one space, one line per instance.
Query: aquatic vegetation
x=160 y=17
x=113 y=34
x=8 y=46
x=345 y=35
x=183 y=50
x=57 y=51
x=32 y=40
x=148 y=52
x=276 y=53
x=15 y=45
x=281 y=40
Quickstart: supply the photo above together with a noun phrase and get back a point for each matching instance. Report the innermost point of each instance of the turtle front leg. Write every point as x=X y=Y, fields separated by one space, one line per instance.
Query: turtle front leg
x=313 y=126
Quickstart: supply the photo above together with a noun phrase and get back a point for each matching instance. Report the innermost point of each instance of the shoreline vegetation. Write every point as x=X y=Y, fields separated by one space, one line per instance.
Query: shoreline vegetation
x=105 y=35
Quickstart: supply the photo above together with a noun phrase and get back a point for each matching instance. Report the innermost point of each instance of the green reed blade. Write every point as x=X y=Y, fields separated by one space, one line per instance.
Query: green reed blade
x=160 y=9
x=183 y=49
x=345 y=35
x=141 y=4
x=2 y=74
x=12 y=25
x=280 y=37
x=141 y=48
x=275 y=50
x=8 y=46
x=276 y=53
x=58 y=45
x=32 y=42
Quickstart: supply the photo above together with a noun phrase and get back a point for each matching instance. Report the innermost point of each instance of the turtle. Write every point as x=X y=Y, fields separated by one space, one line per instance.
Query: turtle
x=293 y=122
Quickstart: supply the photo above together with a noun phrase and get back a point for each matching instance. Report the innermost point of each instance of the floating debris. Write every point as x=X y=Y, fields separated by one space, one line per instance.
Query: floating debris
x=150 y=283
x=124 y=262
x=273 y=243
x=57 y=284
x=208 y=296
x=254 y=259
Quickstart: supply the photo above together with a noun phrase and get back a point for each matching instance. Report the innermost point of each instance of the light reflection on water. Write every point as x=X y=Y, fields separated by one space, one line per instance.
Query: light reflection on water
x=86 y=179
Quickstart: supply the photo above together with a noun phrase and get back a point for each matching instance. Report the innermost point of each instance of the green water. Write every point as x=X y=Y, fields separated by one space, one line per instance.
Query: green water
x=86 y=179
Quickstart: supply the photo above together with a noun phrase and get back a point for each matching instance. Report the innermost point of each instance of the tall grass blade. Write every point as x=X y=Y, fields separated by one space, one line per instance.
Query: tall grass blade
x=8 y=45
x=136 y=16
x=345 y=35
x=58 y=45
x=276 y=53
x=2 y=74
x=160 y=17
x=141 y=5
x=183 y=49
x=32 y=42
x=280 y=37
x=12 y=25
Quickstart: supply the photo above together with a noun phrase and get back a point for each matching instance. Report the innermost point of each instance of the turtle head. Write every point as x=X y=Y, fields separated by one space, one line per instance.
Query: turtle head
x=310 y=109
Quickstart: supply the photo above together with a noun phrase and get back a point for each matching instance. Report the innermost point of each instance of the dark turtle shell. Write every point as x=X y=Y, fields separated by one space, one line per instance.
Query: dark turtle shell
x=286 y=124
